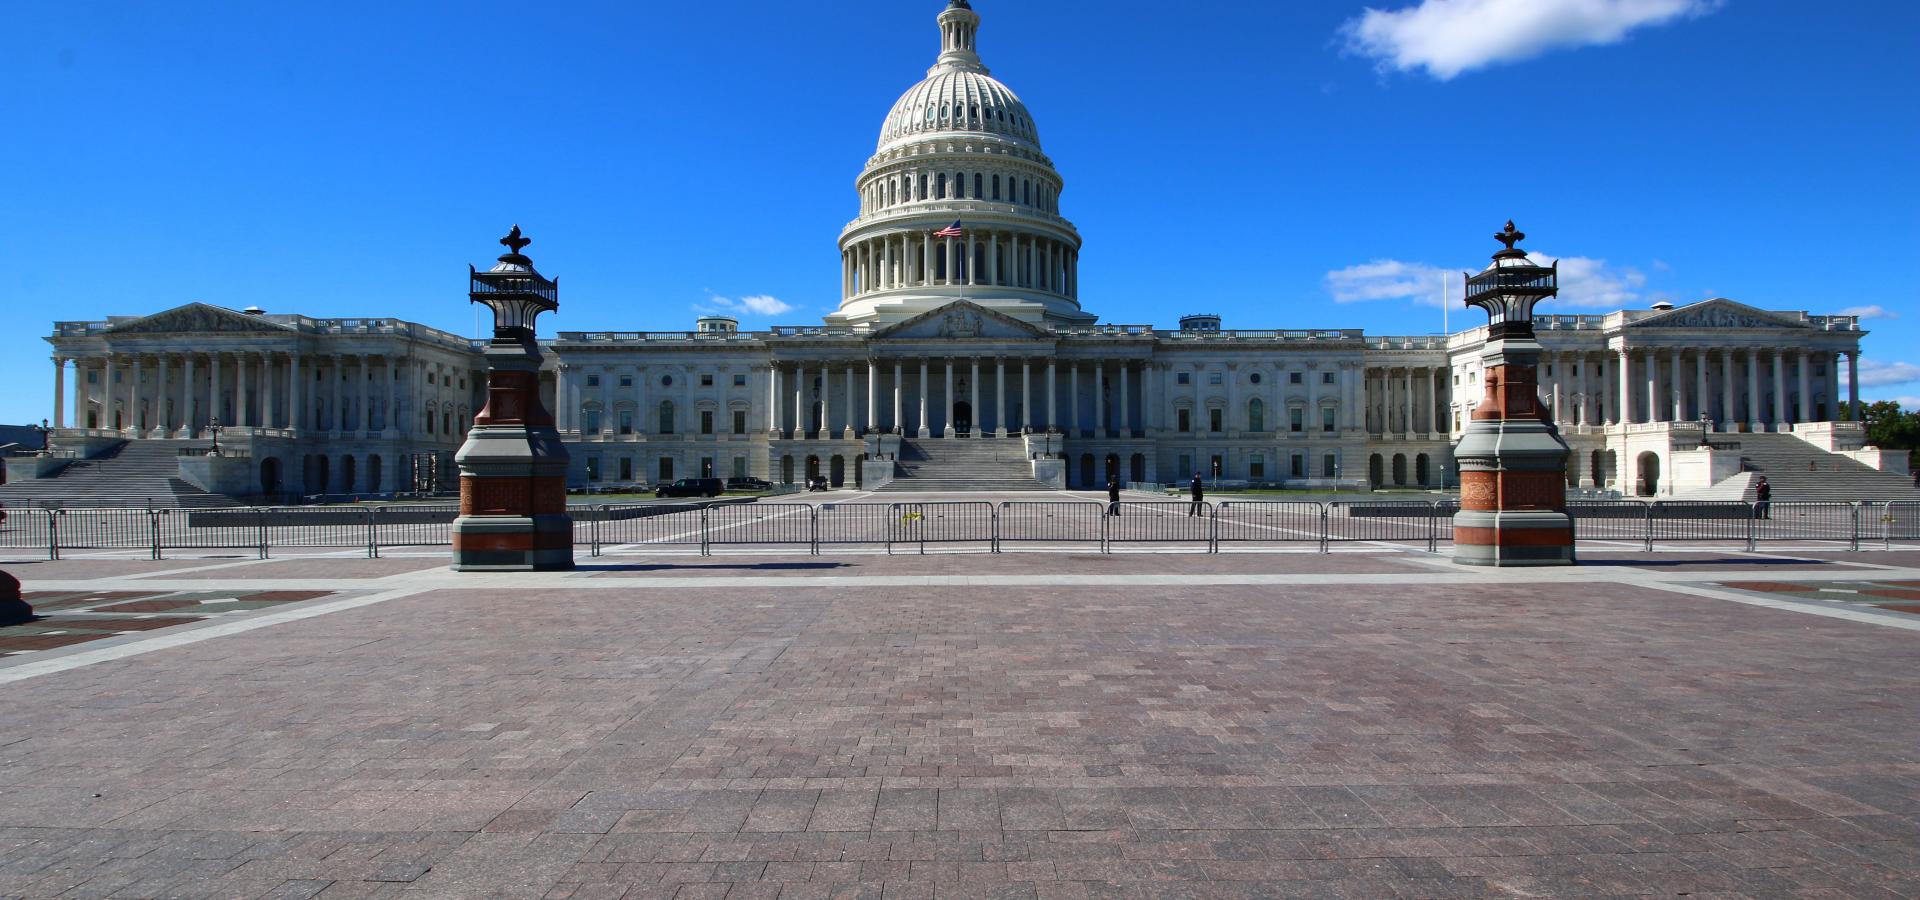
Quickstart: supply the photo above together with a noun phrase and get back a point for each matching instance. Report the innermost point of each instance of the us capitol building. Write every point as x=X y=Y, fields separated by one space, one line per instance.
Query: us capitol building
x=947 y=340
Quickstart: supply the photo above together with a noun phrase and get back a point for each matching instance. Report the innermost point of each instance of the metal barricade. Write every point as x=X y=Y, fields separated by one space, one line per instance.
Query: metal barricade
x=1886 y=521
x=1830 y=521
x=945 y=522
x=320 y=528
x=1610 y=520
x=856 y=524
x=237 y=528
x=1270 y=522
x=1681 y=521
x=414 y=525
x=1159 y=522
x=652 y=528
x=1051 y=522
x=100 y=528
x=1383 y=521
x=26 y=529
x=761 y=524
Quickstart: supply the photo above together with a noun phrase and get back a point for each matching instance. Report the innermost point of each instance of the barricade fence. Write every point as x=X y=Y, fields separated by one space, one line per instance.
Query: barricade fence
x=914 y=527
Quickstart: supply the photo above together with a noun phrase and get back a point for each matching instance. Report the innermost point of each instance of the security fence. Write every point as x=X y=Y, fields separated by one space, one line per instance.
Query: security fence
x=917 y=527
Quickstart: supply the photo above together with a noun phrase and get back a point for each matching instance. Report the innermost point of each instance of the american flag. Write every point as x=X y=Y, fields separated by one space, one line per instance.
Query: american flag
x=950 y=231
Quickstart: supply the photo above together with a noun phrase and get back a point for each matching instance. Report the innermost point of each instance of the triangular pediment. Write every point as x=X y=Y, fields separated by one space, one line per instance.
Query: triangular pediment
x=199 y=318
x=961 y=320
x=1718 y=313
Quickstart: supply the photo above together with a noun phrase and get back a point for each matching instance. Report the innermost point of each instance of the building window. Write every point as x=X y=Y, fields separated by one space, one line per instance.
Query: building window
x=740 y=379
x=706 y=421
x=1214 y=420
x=1185 y=417
x=1297 y=465
x=1326 y=377
x=626 y=421
x=626 y=381
x=1255 y=378
x=1214 y=378
x=593 y=468
x=1183 y=378
x=1294 y=378
x=1256 y=415
x=1329 y=466
x=626 y=468
x=1326 y=419
x=592 y=380
x=666 y=468
x=666 y=381
x=592 y=422
x=706 y=379
x=1296 y=419
x=1257 y=466
x=1186 y=465
x=739 y=421
x=739 y=467
x=666 y=417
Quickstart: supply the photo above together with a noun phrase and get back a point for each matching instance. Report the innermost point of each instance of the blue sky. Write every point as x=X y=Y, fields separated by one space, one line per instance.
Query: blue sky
x=1295 y=165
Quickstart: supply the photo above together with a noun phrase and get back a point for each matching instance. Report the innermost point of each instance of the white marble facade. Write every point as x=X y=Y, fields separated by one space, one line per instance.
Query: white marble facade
x=967 y=336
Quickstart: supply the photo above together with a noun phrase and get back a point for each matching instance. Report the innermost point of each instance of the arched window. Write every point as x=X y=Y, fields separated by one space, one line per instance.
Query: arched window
x=996 y=187
x=977 y=193
x=940 y=187
x=666 y=417
x=1026 y=189
x=1256 y=415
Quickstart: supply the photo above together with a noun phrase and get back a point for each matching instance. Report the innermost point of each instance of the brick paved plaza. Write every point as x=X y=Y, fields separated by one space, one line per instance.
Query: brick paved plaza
x=1374 y=722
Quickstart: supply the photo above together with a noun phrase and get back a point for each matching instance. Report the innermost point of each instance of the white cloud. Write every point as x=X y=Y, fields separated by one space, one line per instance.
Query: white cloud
x=753 y=305
x=1870 y=312
x=1875 y=373
x=1907 y=404
x=1448 y=37
x=1585 y=283
x=1389 y=279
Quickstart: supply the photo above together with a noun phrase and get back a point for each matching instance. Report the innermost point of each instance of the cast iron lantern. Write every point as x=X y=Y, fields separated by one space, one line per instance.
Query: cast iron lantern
x=1509 y=287
x=514 y=291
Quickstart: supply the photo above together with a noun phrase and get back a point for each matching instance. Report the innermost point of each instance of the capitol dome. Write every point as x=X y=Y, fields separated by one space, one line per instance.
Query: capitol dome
x=958 y=202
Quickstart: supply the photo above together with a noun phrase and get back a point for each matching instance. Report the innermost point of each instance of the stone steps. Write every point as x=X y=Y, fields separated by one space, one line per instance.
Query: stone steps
x=1800 y=472
x=137 y=473
x=962 y=464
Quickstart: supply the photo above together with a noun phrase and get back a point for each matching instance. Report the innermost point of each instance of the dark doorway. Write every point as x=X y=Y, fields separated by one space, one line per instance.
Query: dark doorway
x=963 y=417
x=270 y=475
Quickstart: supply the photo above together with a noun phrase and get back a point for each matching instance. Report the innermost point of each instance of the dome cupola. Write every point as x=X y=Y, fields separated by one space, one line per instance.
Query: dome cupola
x=959 y=202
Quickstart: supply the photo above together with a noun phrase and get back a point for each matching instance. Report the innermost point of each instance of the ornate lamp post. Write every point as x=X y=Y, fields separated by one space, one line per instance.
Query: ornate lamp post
x=1513 y=464
x=213 y=428
x=513 y=468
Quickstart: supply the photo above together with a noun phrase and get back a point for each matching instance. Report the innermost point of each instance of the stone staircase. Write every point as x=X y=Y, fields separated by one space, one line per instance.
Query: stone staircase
x=137 y=473
x=962 y=464
x=1799 y=471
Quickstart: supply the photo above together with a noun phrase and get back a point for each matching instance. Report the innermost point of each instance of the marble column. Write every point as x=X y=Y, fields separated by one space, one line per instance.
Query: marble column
x=853 y=429
x=1026 y=395
x=1433 y=396
x=1728 y=417
x=1832 y=383
x=1853 y=385
x=296 y=413
x=950 y=430
x=1780 y=391
x=923 y=429
x=1753 y=391
x=1000 y=391
x=59 y=392
x=1053 y=396
x=1073 y=398
x=1406 y=390
x=799 y=401
x=216 y=409
x=973 y=400
x=773 y=400
x=1126 y=425
x=1805 y=362
x=1700 y=388
x=873 y=394
x=1100 y=399
x=336 y=417
x=1623 y=399
x=1655 y=411
x=899 y=400
x=189 y=398
x=1676 y=386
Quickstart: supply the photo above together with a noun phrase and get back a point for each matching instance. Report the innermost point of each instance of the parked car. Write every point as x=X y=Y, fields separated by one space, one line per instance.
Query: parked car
x=817 y=483
x=690 y=487
x=749 y=484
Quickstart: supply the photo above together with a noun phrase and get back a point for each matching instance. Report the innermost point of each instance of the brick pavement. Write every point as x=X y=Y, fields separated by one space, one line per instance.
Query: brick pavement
x=1358 y=734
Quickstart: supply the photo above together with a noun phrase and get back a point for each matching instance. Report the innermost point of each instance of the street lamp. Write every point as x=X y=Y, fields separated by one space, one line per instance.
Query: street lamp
x=1513 y=463
x=213 y=428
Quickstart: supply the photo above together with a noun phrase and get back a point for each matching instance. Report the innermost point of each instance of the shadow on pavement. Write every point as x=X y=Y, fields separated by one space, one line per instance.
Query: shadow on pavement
x=682 y=567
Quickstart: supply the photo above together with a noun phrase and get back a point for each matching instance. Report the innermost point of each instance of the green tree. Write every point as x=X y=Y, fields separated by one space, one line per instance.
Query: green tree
x=1890 y=427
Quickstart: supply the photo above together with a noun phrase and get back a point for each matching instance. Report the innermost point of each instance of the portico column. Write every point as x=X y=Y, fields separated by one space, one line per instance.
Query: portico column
x=336 y=419
x=973 y=276
x=1073 y=398
x=1780 y=390
x=1833 y=386
x=993 y=258
x=826 y=401
x=1026 y=396
x=1727 y=416
x=852 y=428
x=924 y=430
x=1853 y=385
x=1433 y=394
x=1099 y=398
x=1654 y=411
x=773 y=399
x=1623 y=401
x=899 y=400
x=296 y=414
x=1805 y=361
x=133 y=398
x=973 y=395
x=951 y=430
x=1000 y=392
x=1581 y=415
x=189 y=396
x=1407 y=395
x=366 y=393
x=1053 y=394
x=215 y=409
x=1753 y=390
x=873 y=395
x=59 y=392
x=1126 y=426
x=107 y=391
x=799 y=401
x=163 y=384
x=1700 y=389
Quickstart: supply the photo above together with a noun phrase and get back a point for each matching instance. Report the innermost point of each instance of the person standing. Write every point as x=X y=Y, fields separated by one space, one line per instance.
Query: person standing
x=1113 y=496
x=1763 y=494
x=1199 y=497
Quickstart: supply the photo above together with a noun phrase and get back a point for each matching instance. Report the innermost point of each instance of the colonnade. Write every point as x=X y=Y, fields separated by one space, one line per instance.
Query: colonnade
x=990 y=258
x=1764 y=388
x=179 y=394
x=1408 y=399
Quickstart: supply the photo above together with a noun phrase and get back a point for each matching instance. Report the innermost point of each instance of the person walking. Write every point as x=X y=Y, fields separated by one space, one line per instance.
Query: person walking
x=1199 y=497
x=1113 y=496
x=1763 y=494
